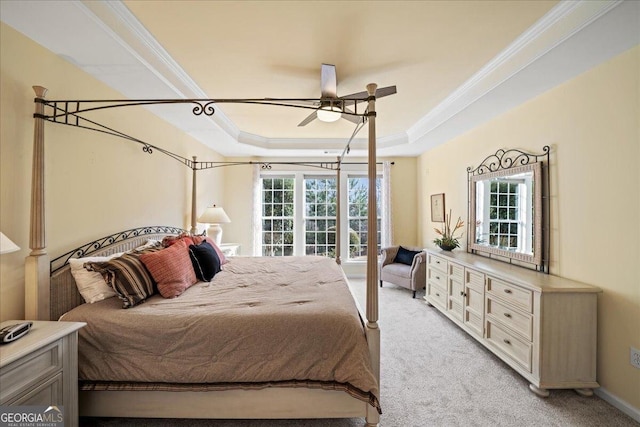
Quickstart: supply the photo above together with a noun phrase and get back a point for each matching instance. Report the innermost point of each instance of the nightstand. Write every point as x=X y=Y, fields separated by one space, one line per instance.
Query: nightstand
x=41 y=368
x=230 y=249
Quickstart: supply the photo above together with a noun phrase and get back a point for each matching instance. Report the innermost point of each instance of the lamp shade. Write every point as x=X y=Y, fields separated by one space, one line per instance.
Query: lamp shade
x=6 y=245
x=214 y=215
x=329 y=114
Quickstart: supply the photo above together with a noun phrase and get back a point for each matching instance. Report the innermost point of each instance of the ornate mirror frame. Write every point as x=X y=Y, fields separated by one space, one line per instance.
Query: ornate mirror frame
x=502 y=164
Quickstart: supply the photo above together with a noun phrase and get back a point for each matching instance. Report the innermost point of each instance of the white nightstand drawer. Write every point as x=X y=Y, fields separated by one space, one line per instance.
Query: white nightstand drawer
x=48 y=393
x=23 y=374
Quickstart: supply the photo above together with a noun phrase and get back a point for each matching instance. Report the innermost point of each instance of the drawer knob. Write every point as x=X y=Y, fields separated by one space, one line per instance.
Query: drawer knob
x=507 y=315
x=437 y=262
x=437 y=277
x=508 y=291
x=506 y=341
x=437 y=294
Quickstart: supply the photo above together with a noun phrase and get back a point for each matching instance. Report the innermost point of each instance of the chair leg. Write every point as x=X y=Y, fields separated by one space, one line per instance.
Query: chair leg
x=414 y=294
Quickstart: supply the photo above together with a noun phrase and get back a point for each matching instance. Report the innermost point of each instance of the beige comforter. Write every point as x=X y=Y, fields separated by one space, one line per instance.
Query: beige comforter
x=260 y=319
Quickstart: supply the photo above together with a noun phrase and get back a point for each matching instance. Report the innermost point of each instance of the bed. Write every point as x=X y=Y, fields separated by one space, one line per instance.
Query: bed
x=262 y=381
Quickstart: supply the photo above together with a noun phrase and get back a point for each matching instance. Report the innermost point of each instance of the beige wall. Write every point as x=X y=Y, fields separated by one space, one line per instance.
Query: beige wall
x=95 y=184
x=238 y=202
x=592 y=125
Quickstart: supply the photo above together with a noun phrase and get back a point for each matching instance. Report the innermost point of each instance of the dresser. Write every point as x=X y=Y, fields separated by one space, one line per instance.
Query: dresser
x=543 y=326
x=41 y=368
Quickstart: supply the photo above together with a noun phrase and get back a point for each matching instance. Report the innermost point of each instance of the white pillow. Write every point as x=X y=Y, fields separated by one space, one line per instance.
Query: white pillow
x=91 y=284
x=150 y=243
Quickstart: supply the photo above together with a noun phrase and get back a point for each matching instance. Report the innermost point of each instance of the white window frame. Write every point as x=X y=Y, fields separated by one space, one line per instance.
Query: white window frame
x=299 y=208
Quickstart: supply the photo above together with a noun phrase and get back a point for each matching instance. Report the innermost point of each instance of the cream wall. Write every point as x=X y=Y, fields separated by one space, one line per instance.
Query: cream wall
x=592 y=126
x=238 y=202
x=95 y=184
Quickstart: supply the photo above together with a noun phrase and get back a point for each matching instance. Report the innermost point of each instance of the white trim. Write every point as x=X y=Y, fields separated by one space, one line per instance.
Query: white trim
x=559 y=24
x=618 y=403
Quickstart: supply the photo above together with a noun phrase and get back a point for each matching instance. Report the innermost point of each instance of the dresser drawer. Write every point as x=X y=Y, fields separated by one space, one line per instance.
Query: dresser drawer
x=437 y=263
x=519 y=297
x=438 y=277
x=437 y=295
x=456 y=272
x=522 y=323
x=513 y=347
x=23 y=374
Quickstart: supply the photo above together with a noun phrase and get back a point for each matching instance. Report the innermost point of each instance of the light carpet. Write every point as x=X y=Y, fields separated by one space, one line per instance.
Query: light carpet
x=434 y=374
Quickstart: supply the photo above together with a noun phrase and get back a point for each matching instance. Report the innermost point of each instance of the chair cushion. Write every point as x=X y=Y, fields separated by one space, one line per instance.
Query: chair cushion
x=405 y=256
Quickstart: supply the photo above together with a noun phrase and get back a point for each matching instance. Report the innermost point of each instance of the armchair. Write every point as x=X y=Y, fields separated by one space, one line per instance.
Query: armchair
x=403 y=266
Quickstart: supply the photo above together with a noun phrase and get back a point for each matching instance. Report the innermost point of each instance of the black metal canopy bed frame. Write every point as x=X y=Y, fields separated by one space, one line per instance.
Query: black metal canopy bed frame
x=49 y=288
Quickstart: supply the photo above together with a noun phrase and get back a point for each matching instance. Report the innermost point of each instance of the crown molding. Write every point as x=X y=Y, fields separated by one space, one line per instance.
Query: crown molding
x=118 y=21
x=558 y=25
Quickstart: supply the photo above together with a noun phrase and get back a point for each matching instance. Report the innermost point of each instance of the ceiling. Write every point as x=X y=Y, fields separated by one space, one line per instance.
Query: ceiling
x=456 y=64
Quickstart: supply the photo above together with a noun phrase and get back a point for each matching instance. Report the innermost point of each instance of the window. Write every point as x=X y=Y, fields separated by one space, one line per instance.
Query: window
x=358 y=211
x=299 y=215
x=503 y=214
x=277 y=216
x=320 y=216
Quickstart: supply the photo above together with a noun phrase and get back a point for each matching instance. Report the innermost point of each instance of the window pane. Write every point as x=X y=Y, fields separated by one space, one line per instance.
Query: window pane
x=358 y=210
x=320 y=208
x=277 y=215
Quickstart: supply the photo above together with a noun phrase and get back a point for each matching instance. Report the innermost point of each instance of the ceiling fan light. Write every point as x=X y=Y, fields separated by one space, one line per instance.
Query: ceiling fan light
x=329 y=114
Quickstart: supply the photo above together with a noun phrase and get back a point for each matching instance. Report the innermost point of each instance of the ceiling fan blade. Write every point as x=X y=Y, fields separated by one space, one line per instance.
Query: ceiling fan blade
x=386 y=91
x=311 y=117
x=361 y=96
x=328 y=81
x=352 y=119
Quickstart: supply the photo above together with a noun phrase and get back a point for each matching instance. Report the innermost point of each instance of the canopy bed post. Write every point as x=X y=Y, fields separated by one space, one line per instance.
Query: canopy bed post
x=338 y=218
x=193 y=197
x=373 y=332
x=36 y=301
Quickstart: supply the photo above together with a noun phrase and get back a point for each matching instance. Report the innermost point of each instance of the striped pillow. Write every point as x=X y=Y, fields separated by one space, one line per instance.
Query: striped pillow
x=128 y=276
x=171 y=268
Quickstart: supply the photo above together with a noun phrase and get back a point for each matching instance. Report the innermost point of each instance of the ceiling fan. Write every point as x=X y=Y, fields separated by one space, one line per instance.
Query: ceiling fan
x=332 y=107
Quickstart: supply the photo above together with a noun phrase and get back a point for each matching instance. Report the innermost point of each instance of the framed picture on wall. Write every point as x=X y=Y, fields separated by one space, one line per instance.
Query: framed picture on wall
x=437 y=207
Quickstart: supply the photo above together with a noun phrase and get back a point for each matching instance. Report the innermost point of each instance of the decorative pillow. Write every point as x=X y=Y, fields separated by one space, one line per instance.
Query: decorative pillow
x=150 y=243
x=204 y=258
x=199 y=239
x=171 y=268
x=91 y=284
x=405 y=256
x=128 y=276
x=170 y=240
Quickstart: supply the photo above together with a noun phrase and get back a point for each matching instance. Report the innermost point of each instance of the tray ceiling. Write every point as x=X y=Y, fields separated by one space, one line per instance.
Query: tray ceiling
x=455 y=64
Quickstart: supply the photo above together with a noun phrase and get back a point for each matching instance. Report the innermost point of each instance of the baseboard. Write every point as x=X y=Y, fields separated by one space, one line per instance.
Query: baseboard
x=618 y=403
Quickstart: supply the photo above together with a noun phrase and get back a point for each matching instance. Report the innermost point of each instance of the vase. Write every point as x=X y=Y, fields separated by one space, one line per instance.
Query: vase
x=447 y=248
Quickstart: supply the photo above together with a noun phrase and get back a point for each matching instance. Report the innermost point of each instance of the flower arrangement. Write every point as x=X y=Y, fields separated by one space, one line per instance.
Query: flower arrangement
x=448 y=240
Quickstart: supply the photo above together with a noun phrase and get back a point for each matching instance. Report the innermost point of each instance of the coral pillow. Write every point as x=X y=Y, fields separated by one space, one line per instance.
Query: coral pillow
x=170 y=240
x=171 y=268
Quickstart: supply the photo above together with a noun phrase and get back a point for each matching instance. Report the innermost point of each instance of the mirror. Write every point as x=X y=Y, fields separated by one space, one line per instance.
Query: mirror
x=506 y=208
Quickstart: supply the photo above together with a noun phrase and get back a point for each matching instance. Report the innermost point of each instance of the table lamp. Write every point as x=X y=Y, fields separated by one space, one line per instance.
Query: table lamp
x=214 y=216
